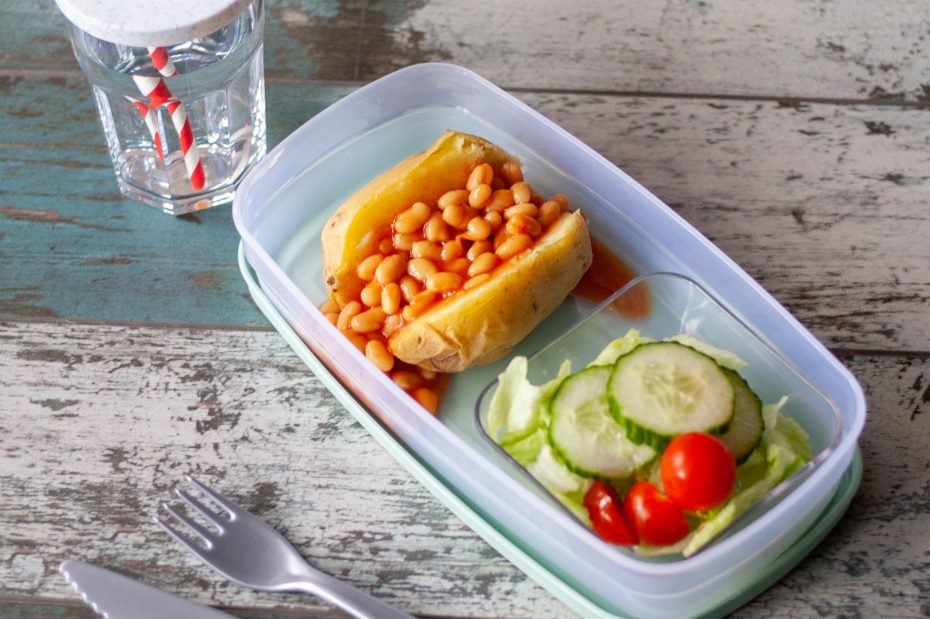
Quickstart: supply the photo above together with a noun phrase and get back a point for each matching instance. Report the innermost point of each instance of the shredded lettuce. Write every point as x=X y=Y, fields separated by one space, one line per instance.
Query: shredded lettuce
x=517 y=405
x=783 y=450
x=555 y=476
x=619 y=347
x=724 y=358
x=525 y=449
x=518 y=419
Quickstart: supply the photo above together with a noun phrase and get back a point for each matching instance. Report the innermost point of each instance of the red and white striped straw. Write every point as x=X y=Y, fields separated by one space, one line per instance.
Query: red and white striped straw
x=160 y=95
x=162 y=61
x=188 y=144
x=148 y=117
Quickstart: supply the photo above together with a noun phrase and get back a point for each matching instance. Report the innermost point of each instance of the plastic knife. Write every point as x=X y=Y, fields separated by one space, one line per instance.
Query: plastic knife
x=118 y=597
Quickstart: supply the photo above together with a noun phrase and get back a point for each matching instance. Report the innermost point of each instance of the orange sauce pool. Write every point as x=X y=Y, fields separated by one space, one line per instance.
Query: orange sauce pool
x=607 y=275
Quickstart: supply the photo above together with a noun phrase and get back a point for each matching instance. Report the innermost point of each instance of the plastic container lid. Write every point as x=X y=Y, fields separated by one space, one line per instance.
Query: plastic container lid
x=145 y=24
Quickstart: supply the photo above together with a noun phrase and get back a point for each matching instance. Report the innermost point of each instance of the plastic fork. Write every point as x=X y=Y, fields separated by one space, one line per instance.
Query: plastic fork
x=247 y=551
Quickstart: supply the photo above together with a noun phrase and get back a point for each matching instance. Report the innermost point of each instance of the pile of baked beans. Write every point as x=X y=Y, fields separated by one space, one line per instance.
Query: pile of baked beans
x=431 y=252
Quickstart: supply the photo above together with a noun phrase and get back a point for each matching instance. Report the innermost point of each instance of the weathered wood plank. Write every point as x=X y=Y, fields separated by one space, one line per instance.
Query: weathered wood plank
x=65 y=229
x=116 y=416
x=876 y=562
x=823 y=204
x=98 y=422
x=796 y=48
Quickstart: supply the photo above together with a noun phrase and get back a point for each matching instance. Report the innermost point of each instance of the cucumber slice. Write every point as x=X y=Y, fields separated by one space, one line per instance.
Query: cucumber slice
x=583 y=433
x=666 y=388
x=745 y=431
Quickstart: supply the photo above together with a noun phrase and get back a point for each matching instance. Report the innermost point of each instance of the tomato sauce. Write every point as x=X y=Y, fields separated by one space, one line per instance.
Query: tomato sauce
x=607 y=275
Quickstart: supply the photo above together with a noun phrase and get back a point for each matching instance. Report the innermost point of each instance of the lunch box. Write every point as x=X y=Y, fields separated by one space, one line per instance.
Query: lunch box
x=279 y=211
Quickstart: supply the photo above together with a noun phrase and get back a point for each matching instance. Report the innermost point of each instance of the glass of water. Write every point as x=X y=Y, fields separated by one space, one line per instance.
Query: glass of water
x=182 y=101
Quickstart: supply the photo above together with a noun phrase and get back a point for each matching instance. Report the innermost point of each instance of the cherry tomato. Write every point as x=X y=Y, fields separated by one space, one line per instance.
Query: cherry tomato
x=604 y=510
x=698 y=471
x=655 y=518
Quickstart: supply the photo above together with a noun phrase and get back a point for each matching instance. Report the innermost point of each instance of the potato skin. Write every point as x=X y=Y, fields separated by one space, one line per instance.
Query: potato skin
x=483 y=324
x=350 y=234
x=473 y=326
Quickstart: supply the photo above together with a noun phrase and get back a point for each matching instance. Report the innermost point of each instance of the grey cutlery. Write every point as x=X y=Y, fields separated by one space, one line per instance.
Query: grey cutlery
x=119 y=597
x=246 y=550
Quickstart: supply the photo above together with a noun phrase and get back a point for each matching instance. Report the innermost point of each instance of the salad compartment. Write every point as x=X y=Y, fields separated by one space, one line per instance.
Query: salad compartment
x=280 y=209
x=662 y=306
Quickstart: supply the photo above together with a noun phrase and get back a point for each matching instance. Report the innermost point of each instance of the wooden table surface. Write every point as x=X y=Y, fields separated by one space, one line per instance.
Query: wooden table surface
x=794 y=134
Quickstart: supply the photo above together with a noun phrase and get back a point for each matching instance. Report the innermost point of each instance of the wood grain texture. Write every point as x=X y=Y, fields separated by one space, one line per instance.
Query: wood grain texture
x=793 y=48
x=115 y=416
x=65 y=230
x=824 y=204
x=99 y=422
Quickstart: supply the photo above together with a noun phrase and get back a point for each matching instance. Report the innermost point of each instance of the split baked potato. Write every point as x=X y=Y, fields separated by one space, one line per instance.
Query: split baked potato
x=470 y=326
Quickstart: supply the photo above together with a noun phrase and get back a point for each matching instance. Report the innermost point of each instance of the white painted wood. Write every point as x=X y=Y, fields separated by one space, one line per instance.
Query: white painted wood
x=825 y=205
x=98 y=422
x=796 y=48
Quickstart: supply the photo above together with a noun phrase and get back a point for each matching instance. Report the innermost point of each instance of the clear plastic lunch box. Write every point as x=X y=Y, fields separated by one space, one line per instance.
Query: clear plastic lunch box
x=279 y=211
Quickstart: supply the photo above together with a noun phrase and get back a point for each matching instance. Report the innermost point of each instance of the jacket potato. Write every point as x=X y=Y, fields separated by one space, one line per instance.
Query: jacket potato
x=475 y=319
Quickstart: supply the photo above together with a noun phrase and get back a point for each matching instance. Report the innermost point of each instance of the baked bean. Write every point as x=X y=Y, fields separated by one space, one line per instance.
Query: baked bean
x=421 y=268
x=436 y=230
x=328 y=306
x=455 y=196
x=409 y=287
x=477 y=280
x=549 y=212
x=406 y=379
x=562 y=199
x=390 y=298
x=457 y=215
x=479 y=196
x=513 y=246
x=479 y=247
x=521 y=193
x=500 y=199
x=444 y=281
x=391 y=324
x=481 y=175
x=426 y=249
x=403 y=242
x=459 y=265
x=420 y=304
x=521 y=224
x=498 y=183
x=391 y=269
x=371 y=295
x=333 y=317
x=342 y=297
x=379 y=354
x=500 y=237
x=451 y=250
x=483 y=264
x=386 y=246
x=494 y=219
x=478 y=229
x=527 y=208
x=348 y=312
x=537 y=199
x=512 y=172
x=357 y=339
x=412 y=219
x=427 y=398
x=368 y=321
